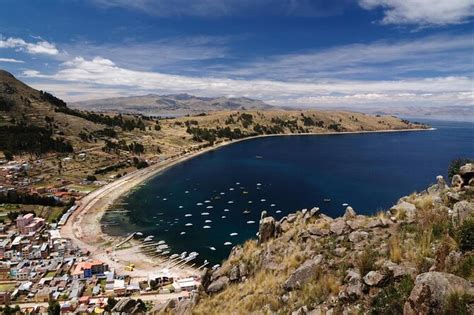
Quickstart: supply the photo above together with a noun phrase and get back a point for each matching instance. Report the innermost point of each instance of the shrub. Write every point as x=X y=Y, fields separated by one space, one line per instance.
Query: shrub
x=91 y=178
x=391 y=299
x=456 y=164
x=456 y=303
x=395 y=249
x=466 y=235
x=366 y=261
x=465 y=267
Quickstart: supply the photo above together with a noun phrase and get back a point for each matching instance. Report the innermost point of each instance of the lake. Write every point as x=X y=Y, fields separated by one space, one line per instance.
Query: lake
x=201 y=204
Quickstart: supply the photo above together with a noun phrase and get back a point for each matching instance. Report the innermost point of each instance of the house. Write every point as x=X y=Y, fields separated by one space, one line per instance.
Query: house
x=86 y=269
x=5 y=298
x=28 y=223
x=187 y=284
x=4 y=272
x=119 y=287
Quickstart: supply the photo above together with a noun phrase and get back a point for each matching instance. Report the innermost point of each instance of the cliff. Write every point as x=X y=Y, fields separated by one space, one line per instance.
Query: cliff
x=415 y=258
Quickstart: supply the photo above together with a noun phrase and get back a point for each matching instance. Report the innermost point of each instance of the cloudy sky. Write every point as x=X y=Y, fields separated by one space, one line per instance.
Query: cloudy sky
x=287 y=52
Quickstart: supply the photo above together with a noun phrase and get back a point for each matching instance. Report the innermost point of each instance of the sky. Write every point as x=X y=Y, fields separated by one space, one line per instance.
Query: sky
x=304 y=53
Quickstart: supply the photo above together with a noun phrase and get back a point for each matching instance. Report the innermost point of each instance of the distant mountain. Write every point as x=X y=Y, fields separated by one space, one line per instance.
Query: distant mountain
x=170 y=105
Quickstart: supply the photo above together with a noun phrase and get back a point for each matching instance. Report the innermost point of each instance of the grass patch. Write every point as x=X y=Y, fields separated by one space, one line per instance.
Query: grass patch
x=366 y=261
x=391 y=299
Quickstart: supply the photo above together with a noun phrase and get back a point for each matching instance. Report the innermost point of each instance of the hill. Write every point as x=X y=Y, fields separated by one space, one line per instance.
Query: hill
x=415 y=258
x=170 y=105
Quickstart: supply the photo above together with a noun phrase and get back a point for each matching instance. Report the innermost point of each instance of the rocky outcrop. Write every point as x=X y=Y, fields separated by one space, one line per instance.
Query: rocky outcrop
x=218 y=285
x=461 y=211
x=303 y=273
x=338 y=227
x=349 y=213
x=266 y=230
x=431 y=292
x=373 y=278
x=404 y=210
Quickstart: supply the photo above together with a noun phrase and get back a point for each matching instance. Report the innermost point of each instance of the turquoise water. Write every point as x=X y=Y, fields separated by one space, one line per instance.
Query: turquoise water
x=281 y=175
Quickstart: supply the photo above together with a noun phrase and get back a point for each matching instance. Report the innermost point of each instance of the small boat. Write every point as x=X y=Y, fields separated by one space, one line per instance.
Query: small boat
x=206 y=227
x=226 y=210
x=182 y=233
x=209 y=207
x=272 y=205
x=212 y=248
x=186 y=192
x=205 y=213
x=263 y=200
x=207 y=201
x=246 y=212
x=164 y=199
x=166 y=252
x=199 y=204
x=227 y=243
x=181 y=207
x=245 y=192
x=222 y=193
x=161 y=242
x=230 y=202
x=250 y=201
x=327 y=200
x=259 y=157
x=188 y=224
x=250 y=222
x=258 y=184
x=278 y=211
x=208 y=221
x=237 y=183
x=183 y=255
x=188 y=215
x=215 y=267
x=174 y=256
x=223 y=217
x=345 y=204
x=234 y=234
x=231 y=189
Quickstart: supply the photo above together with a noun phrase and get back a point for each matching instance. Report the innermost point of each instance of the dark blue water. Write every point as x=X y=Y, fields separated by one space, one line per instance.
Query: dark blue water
x=368 y=171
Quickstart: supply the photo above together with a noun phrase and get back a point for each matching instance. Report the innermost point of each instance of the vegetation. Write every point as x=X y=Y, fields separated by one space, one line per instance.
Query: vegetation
x=466 y=235
x=391 y=299
x=456 y=164
x=6 y=104
x=366 y=260
x=19 y=139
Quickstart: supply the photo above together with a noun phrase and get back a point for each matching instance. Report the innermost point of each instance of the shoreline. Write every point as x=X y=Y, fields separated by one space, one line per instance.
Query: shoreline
x=83 y=226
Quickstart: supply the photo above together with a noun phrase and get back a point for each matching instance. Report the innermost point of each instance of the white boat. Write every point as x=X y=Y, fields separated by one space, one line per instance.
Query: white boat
x=263 y=200
x=188 y=215
x=272 y=205
x=186 y=192
x=209 y=207
x=227 y=243
x=161 y=242
x=250 y=222
x=208 y=221
x=258 y=184
x=207 y=201
x=237 y=183
x=181 y=207
x=222 y=193
x=205 y=213
x=246 y=212
x=188 y=224
x=182 y=233
x=226 y=210
x=230 y=201
x=250 y=201
x=223 y=217
x=278 y=211
x=199 y=204
x=164 y=199
x=231 y=189
x=212 y=248
x=174 y=256
x=206 y=227
x=234 y=234
x=345 y=204
x=215 y=267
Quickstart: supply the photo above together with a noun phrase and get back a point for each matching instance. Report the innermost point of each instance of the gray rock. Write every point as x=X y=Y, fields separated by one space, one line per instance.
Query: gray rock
x=303 y=310
x=354 y=224
x=263 y=215
x=373 y=278
x=349 y=214
x=358 y=236
x=431 y=291
x=397 y=271
x=313 y=230
x=340 y=251
x=352 y=277
x=234 y=273
x=338 y=227
x=266 y=230
x=457 y=181
x=466 y=169
x=303 y=274
x=405 y=208
x=376 y=222
x=313 y=212
x=462 y=210
x=439 y=187
x=243 y=269
x=291 y=218
x=218 y=285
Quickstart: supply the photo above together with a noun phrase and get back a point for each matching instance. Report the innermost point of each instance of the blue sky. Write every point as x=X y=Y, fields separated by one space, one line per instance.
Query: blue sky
x=286 y=52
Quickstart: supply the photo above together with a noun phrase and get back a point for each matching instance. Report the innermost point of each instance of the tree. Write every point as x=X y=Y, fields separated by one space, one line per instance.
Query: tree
x=8 y=155
x=54 y=308
x=456 y=164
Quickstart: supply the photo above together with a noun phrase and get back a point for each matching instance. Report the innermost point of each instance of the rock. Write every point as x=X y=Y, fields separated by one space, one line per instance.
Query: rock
x=431 y=291
x=340 y=251
x=457 y=181
x=466 y=169
x=376 y=222
x=326 y=217
x=291 y=218
x=263 y=215
x=354 y=224
x=373 y=278
x=206 y=277
x=266 y=230
x=243 y=269
x=218 y=285
x=397 y=271
x=350 y=213
x=404 y=209
x=338 y=227
x=358 y=236
x=303 y=310
x=318 y=231
x=461 y=211
x=183 y=307
x=304 y=273
x=439 y=187
x=234 y=273
x=352 y=277
x=303 y=212
x=313 y=212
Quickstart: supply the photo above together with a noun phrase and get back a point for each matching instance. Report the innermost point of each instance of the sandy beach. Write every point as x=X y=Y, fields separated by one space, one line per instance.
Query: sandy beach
x=83 y=226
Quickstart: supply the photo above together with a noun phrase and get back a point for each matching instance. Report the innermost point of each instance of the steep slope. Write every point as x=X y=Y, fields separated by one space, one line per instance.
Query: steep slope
x=416 y=258
x=170 y=105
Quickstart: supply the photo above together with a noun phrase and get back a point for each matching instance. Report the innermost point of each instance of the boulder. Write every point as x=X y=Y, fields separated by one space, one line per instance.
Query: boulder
x=431 y=291
x=234 y=273
x=243 y=269
x=350 y=213
x=404 y=209
x=263 y=215
x=218 y=285
x=457 y=181
x=303 y=274
x=358 y=236
x=461 y=211
x=291 y=218
x=397 y=271
x=376 y=222
x=303 y=310
x=373 y=278
x=439 y=187
x=266 y=230
x=313 y=230
x=314 y=211
x=338 y=227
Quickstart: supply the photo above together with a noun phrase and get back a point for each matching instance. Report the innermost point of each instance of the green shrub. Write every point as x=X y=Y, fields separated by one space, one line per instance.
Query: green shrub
x=456 y=164
x=466 y=235
x=465 y=268
x=456 y=303
x=366 y=261
x=391 y=299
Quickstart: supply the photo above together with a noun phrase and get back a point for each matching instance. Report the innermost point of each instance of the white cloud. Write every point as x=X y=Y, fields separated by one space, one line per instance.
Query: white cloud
x=40 y=47
x=11 y=60
x=101 y=72
x=422 y=12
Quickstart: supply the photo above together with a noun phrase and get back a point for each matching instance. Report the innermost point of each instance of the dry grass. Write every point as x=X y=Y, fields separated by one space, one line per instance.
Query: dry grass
x=395 y=250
